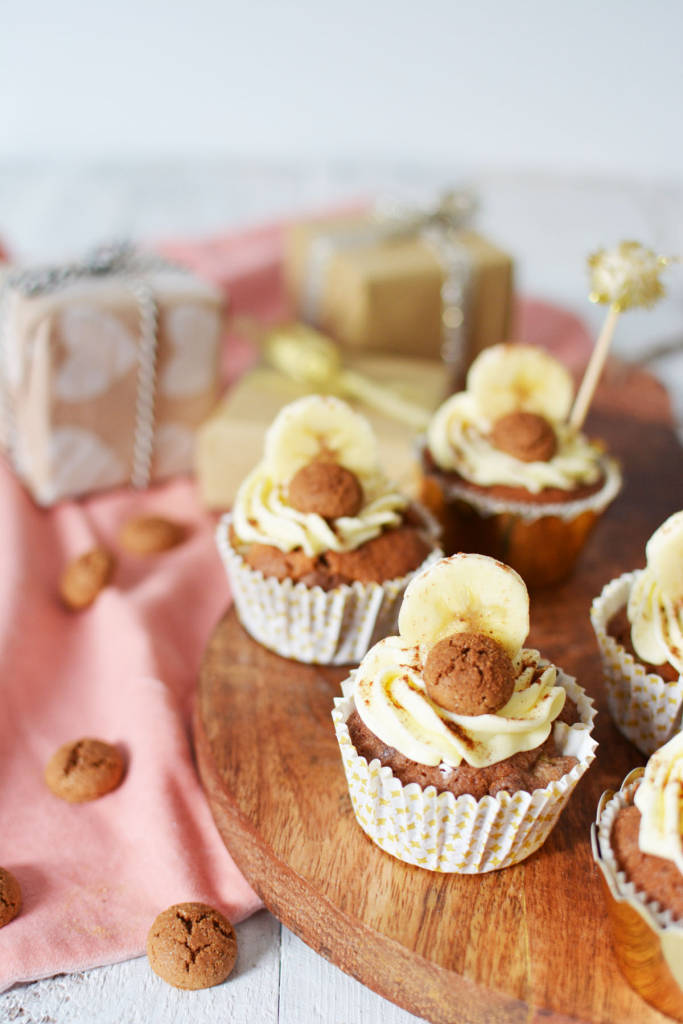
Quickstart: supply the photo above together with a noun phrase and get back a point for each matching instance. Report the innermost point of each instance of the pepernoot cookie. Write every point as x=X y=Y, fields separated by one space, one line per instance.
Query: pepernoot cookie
x=326 y=489
x=10 y=897
x=469 y=673
x=84 y=577
x=150 y=535
x=192 y=946
x=84 y=770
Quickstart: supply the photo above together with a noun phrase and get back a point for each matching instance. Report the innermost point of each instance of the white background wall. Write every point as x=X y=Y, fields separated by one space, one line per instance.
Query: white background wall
x=590 y=86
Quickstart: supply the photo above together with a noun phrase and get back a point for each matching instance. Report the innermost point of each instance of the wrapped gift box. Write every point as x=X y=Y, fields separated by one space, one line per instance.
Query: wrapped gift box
x=230 y=443
x=371 y=289
x=108 y=367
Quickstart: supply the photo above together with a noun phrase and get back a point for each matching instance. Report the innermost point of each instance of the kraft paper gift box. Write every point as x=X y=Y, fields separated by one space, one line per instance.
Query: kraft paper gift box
x=410 y=292
x=108 y=367
x=230 y=443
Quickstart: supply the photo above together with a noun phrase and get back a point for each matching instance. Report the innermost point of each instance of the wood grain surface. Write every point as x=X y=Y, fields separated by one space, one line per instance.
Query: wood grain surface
x=530 y=943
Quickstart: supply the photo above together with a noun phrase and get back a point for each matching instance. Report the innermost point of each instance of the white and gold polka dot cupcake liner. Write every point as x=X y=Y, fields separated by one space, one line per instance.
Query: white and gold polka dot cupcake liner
x=441 y=832
x=309 y=624
x=645 y=708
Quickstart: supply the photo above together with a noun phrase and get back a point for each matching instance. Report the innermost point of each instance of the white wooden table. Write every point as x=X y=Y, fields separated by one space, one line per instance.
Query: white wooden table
x=549 y=223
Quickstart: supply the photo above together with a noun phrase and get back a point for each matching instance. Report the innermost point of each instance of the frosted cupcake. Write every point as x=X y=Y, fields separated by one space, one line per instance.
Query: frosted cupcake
x=460 y=745
x=638 y=620
x=505 y=472
x=320 y=545
x=638 y=846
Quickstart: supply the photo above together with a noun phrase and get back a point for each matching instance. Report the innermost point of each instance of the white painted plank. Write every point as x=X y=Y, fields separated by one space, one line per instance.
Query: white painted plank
x=313 y=991
x=130 y=993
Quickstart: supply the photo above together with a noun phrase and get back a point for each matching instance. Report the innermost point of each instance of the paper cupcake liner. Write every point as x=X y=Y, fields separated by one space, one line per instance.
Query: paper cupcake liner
x=442 y=832
x=645 y=708
x=309 y=624
x=661 y=921
x=487 y=505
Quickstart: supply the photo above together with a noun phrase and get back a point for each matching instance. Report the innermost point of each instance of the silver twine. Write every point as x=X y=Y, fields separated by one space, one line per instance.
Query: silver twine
x=438 y=225
x=114 y=260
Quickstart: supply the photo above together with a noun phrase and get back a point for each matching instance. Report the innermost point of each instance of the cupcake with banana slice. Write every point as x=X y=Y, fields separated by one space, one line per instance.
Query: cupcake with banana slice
x=638 y=846
x=320 y=545
x=638 y=621
x=506 y=473
x=460 y=745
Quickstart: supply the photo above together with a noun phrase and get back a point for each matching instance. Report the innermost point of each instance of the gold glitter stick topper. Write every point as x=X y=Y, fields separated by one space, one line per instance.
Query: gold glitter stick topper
x=624 y=278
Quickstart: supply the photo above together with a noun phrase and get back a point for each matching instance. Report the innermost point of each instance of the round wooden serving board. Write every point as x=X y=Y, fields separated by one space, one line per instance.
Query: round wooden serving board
x=529 y=943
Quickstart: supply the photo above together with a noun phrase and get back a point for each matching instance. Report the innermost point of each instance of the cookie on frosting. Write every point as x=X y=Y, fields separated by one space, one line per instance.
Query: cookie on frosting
x=469 y=673
x=524 y=435
x=326 y=489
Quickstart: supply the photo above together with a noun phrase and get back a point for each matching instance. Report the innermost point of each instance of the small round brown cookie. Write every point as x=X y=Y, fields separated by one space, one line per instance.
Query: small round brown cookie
x=10 y=897
x=470 y=674
x=85 y=577
x=524 y=435
x=150 y=535
x=191 y=945
x=84 y=770
x=327 y=489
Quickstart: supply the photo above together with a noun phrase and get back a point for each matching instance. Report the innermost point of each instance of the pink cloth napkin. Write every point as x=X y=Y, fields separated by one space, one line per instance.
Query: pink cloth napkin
x=95 y=875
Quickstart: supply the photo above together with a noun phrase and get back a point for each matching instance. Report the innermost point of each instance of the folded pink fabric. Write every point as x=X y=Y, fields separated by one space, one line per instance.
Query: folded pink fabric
x=95 y=875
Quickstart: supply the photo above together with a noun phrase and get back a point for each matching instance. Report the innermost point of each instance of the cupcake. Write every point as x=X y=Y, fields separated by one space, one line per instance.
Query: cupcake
x=461 y=746
x=320 y=545
x=638 y=620
x=638 y=846
x=506 y=474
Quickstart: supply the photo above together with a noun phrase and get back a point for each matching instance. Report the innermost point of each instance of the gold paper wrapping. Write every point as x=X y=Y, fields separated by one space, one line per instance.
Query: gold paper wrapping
x=386 y=295
x=230 y=443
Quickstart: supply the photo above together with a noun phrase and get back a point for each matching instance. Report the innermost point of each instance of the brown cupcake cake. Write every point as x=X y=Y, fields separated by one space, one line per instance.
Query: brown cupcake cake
x=460 y=746
x=638 y=846
x=504 y=472
x=320 y=545
x=638 y=622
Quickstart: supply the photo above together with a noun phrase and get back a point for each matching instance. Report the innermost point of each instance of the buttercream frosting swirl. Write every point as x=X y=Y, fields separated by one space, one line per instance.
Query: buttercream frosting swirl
x=659 y=798
x=458 y=439
x=262 y=514
x=391 y=699
x=656 y=622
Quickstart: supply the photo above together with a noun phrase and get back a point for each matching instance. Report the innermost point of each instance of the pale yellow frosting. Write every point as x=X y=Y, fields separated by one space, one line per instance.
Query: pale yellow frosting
x=391 y=699
x=262 y=515
x=458 y=439
x=659 y=798
x=656 y=622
